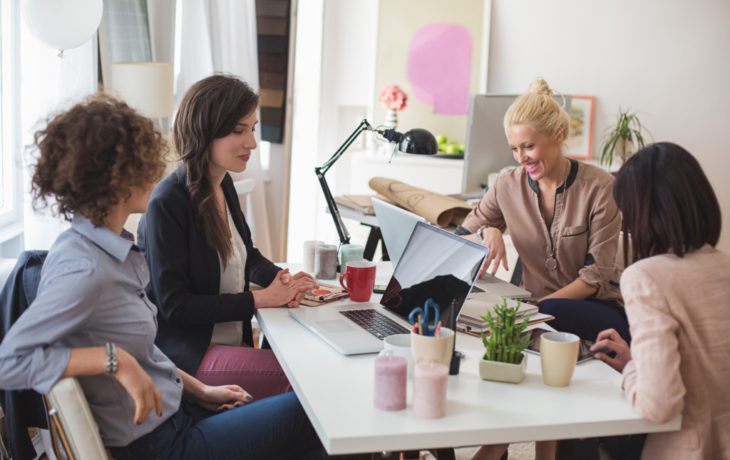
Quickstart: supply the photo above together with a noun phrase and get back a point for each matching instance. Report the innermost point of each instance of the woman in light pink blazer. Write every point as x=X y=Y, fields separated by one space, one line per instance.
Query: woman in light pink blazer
x=677 y=295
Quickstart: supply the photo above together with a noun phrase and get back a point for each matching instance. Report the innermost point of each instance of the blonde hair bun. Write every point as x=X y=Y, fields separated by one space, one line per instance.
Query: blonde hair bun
x=538 y=108
x=540 y=86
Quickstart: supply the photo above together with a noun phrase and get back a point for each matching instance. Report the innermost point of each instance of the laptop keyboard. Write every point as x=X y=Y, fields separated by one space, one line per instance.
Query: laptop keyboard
x=375 y=322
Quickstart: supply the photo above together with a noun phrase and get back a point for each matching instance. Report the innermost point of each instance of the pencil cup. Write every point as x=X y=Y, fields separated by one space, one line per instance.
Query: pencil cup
x=426 y=348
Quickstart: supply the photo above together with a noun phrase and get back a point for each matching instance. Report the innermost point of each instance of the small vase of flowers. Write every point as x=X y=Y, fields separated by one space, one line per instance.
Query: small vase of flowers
x=393 y=99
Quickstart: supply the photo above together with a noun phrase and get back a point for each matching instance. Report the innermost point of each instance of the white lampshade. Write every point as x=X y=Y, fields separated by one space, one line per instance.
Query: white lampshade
x=145 y=86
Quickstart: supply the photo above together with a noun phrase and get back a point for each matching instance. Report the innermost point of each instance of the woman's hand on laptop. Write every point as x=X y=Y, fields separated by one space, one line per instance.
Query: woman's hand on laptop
x=491 y=239
x=284 y=290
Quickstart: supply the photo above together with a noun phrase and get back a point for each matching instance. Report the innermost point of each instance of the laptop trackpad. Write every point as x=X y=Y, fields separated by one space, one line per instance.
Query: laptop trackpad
x=335 y=325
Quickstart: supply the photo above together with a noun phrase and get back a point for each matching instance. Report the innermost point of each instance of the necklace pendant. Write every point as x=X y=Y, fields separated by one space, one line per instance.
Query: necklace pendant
x=551 y=263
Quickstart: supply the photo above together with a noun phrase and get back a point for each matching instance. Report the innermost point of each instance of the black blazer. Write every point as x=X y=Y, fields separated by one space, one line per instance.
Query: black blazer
x=185 y=272
x=23 y=408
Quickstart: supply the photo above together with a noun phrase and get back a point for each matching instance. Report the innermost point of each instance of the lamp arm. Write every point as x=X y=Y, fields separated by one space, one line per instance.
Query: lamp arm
x=320 y=171
x=332 y=206
x=363 y=126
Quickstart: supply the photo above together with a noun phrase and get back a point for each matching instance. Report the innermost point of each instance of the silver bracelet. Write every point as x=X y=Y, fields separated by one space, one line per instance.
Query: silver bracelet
x=479 y=233
x=111 y=359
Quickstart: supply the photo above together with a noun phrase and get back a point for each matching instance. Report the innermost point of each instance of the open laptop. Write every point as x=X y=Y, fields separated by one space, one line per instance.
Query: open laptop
x=396 y=225
x=435 y=264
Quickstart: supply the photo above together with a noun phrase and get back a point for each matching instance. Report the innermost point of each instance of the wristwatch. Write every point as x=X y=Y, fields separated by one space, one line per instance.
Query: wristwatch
x=111 y=358
x=479 y=233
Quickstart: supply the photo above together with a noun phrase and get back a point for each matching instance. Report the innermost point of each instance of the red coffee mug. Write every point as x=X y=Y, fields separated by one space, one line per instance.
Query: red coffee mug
x=359 y=280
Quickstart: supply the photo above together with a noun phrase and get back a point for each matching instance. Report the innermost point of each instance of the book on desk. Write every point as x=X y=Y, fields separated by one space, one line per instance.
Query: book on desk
x=478 y=304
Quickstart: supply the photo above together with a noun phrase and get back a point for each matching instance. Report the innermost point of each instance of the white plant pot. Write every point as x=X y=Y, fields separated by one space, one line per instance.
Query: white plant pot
x=503 y=372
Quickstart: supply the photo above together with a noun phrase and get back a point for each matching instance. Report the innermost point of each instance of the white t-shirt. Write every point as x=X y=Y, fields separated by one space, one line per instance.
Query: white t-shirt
x=233 y=278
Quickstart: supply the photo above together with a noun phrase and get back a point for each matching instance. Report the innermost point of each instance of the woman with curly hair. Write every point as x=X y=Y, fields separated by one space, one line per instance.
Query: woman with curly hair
x=200 y=250
x=91 y=318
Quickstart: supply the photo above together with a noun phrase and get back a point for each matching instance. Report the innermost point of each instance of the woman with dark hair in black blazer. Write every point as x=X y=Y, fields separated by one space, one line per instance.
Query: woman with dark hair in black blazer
x=199 y=247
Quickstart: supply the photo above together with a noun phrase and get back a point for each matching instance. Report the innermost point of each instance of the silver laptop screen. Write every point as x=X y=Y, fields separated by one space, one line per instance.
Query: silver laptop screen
x=437 y=265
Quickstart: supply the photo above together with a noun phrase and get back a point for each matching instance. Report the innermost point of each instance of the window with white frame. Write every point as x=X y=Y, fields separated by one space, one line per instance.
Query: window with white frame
x=10 y=173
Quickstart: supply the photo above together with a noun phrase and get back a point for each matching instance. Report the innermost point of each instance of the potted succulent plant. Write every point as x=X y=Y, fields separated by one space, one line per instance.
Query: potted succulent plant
x=622 y=138
x=504 y=359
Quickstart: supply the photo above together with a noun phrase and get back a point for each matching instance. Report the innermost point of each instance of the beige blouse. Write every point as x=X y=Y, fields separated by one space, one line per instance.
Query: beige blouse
x=233 y=277
x=583 y=237
x=679 y=313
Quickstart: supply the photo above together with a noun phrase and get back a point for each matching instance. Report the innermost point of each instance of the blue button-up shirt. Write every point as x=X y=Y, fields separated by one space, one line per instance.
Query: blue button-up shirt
x=91 y=292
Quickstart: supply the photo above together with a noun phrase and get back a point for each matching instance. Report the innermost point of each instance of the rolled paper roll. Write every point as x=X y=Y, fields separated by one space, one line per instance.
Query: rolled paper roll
x=325 y=262
x=429 y=389
x=309 y=247
x=390 y=383
x=350 y=253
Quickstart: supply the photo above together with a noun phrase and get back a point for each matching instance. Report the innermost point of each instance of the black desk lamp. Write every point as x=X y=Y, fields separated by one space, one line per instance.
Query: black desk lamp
x=418 y=141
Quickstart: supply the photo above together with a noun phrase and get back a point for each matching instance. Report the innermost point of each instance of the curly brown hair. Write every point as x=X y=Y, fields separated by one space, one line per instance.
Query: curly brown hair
x=92 y=155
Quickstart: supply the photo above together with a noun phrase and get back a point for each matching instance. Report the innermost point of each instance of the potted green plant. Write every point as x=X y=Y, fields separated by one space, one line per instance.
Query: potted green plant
x=504 y=359
x=622 y=138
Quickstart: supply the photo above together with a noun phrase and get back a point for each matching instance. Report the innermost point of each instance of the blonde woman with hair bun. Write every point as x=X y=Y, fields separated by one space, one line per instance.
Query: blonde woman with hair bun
x=563 y=222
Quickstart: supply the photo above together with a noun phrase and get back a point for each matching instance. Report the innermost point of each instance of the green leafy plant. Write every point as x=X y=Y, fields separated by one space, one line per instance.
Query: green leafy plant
x=628 y=129
x=506 y=339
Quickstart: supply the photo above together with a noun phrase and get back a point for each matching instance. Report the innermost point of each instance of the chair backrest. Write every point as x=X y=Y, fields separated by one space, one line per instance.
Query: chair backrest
x=74 y=432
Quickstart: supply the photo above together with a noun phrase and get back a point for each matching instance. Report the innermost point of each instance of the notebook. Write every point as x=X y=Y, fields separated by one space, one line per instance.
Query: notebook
x=434 y=264
x=396 y=225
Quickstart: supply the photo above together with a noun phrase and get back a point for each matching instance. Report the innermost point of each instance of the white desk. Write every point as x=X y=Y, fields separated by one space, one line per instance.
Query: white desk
x=337 y=393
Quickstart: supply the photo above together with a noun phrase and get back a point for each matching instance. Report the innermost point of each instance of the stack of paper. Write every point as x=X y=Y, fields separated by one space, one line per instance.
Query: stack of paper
x=478 y=304
x=360 y=203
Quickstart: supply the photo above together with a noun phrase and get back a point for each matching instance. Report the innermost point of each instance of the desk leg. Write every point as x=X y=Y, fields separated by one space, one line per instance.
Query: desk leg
x=372 y=243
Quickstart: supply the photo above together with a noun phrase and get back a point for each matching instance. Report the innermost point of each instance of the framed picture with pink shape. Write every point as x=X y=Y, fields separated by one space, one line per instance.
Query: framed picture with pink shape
x=579 y=144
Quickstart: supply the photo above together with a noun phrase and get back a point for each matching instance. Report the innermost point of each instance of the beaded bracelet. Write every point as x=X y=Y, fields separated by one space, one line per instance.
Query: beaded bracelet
x=111 y=359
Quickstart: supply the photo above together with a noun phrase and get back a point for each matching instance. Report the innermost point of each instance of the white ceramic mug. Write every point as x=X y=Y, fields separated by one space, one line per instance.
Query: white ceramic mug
x=558 y=355
x=399 y=345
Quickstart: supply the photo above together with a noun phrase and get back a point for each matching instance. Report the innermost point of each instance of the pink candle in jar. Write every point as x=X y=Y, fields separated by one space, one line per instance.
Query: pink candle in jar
x=390 y=382
x=429 y=389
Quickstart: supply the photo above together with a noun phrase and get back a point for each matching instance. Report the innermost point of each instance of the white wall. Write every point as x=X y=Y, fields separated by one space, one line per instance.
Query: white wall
x=333 y=87
x=667 y=59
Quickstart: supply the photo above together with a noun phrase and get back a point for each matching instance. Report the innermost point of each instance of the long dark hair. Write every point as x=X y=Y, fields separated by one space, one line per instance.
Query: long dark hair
x=667 y=203
x=210 y=110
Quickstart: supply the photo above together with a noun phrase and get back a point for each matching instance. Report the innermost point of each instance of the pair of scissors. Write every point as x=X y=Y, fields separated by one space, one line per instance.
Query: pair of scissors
x=423 y=313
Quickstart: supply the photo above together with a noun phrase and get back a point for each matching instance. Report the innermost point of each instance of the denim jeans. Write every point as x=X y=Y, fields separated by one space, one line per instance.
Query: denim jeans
x=586 y=318
x=272 y=428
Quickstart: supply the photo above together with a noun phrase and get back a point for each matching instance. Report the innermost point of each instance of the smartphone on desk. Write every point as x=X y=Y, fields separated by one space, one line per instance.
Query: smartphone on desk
x=584 y=351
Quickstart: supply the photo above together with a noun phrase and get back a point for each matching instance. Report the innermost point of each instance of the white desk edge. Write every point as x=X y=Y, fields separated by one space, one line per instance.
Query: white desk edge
x=339 y=403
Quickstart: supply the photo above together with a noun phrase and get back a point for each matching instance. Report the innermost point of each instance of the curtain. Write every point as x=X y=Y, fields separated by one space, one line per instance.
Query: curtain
x=219 y=36
x=48 y=84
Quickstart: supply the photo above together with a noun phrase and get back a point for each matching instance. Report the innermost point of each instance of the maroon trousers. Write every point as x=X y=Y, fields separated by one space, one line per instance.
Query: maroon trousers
x=255 y=370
